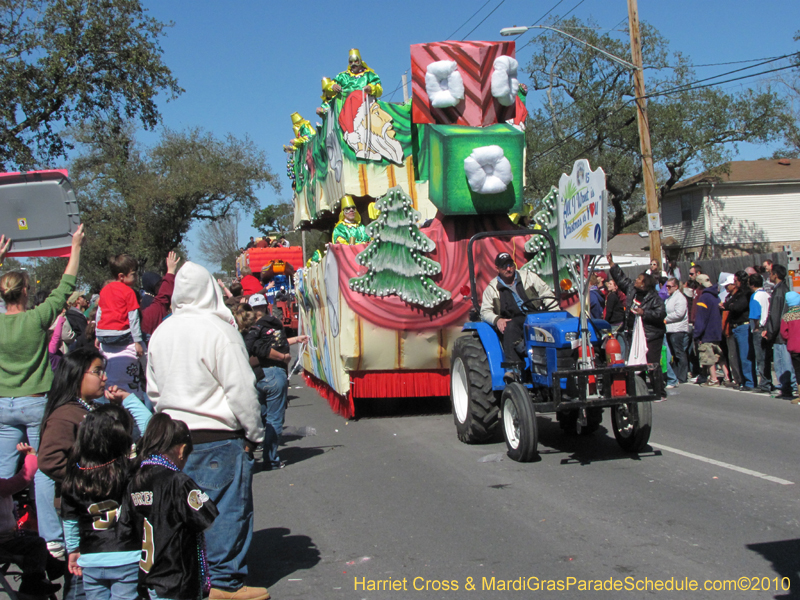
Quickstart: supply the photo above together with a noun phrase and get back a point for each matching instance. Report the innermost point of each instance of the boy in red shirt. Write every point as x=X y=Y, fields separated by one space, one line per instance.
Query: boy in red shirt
x=119 y=328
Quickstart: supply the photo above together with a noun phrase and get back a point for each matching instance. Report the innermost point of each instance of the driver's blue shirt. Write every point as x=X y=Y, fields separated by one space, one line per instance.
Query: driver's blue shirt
x=511 y=287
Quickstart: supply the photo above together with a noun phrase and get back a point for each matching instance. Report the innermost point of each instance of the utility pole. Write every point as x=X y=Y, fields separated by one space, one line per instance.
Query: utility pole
x=648 y=169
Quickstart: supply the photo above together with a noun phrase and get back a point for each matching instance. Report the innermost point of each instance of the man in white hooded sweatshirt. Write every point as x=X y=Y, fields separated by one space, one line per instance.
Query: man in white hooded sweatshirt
x=198 y=371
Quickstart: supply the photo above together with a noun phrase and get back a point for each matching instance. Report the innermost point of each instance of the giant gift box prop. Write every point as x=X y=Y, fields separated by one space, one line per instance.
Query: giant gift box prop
x=475 y=62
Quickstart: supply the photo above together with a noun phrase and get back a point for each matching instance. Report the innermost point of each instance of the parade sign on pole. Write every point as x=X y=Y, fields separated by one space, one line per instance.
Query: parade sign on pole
x=582 y=210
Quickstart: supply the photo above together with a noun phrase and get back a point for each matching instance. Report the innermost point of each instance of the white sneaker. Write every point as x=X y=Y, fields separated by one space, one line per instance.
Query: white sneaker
x=56 y=549
x=672 y=386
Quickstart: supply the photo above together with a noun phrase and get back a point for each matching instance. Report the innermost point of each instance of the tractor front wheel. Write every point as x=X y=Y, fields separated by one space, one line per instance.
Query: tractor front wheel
x=519 y=423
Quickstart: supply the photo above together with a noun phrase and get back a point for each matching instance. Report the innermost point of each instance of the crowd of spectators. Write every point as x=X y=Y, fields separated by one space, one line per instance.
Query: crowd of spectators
x=164 y=364
x=739 y=332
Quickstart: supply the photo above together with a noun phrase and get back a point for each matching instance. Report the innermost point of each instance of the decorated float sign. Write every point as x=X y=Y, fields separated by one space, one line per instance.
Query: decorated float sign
x=582 y=201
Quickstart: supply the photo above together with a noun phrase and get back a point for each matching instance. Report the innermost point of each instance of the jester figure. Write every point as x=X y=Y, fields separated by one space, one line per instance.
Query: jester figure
x=358 y=76
x=302 y=129
x=349 y=229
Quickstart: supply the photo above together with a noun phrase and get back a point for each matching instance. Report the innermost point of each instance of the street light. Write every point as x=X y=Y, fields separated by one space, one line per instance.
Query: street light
x=522 y=29
x=648 y=169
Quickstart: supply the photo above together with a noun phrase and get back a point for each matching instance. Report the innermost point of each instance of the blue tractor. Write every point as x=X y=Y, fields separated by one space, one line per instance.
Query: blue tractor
x=555 y=378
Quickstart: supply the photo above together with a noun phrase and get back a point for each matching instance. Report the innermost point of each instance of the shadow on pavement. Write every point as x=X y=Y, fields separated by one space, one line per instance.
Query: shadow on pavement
x=583 y=449
x=783 y=556
x=275 y=554
x=371 y=408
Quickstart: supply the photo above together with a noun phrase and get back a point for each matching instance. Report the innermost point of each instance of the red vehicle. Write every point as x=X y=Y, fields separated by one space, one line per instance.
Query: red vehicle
x=279 y=264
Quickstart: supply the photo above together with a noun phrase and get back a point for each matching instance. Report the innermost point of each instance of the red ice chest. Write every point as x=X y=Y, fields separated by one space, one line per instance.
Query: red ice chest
x=258 y=257
x=475 y=62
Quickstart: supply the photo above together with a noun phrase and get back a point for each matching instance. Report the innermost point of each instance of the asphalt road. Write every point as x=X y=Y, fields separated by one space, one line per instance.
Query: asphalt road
x=398 y=499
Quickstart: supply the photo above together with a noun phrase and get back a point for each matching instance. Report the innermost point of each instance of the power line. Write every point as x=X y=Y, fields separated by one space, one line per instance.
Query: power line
x=698 y=87
x=557 y=21
x=692 y=87
x=468 y=20
x=484 y=19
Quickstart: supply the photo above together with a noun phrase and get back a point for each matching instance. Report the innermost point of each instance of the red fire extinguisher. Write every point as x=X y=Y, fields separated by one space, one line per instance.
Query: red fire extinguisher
x=592 y=379
x=614 y=357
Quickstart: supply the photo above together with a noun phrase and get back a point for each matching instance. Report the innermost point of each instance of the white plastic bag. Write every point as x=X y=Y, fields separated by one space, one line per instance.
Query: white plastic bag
x=638 y=354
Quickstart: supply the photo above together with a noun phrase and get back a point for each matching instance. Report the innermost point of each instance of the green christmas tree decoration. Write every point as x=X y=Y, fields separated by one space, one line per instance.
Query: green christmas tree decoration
x=541 y=263
x=394 y=260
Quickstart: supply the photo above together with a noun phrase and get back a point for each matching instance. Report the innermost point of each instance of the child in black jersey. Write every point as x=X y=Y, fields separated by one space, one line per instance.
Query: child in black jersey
x=102 y=545
x=171 y=512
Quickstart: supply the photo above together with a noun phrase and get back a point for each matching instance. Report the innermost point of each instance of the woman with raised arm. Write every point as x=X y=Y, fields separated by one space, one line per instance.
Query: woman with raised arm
x=26 y=376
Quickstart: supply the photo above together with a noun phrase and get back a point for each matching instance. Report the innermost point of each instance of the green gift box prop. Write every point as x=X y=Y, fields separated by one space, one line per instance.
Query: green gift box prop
x=444 y=149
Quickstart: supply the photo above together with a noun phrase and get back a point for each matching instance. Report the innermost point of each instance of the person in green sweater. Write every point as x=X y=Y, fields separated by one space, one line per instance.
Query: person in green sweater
x=26 y=377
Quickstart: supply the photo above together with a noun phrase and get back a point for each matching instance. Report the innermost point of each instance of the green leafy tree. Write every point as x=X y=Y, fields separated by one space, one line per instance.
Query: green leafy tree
x=143 y=201
x=586 y=110
x=277 y=217
x=791 y=83
x=64 y=62
x=10 y=264
x=45 y=273
x=394 y=261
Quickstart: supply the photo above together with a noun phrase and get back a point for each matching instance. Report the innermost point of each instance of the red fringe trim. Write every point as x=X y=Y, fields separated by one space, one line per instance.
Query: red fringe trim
x=399 y=384
x=341 y=405
x=382 y=384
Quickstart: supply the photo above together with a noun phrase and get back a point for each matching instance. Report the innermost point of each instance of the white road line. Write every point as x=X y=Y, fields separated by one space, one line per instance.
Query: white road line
x=724 y=465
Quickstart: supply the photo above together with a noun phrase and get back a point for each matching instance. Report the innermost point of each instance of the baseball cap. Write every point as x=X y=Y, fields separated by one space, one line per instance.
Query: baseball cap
x=729 y=280
x=792 y=299
x=257 y=300
x=703 y=280
x=503 y=259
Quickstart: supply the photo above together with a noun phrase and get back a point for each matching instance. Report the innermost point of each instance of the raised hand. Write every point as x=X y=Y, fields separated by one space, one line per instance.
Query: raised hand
x=5 y=246
x=172 y=263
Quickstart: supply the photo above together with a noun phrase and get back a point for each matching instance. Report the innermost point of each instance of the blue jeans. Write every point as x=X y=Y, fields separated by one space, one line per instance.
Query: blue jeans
x=759 y=351
x=273 y=395
x=784 y=371
x=111 y=583
x=20 y=419
x=744 y=344
x=224 y=471
x=678 y=343
x=73 y=588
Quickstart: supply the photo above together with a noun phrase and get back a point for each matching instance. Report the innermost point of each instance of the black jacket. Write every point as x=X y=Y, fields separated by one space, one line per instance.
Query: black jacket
x=777 y=306
x=266 y=334
x=651 y=303
x=738 y=307
x=614 y=311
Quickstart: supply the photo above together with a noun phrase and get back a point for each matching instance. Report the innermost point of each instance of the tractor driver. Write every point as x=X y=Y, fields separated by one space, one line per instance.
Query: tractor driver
x=508 y=298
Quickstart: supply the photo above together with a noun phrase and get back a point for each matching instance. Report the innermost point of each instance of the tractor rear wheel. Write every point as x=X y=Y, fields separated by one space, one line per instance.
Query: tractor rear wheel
x=632 y=422
x=476 y=410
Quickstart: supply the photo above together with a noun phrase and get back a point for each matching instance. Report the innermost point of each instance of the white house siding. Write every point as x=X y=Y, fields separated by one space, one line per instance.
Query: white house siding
x=754 y=213
x=688 y=233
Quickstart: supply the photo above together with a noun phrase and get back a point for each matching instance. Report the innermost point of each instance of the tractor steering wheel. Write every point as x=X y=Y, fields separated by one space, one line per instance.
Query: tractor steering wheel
x=530 y=305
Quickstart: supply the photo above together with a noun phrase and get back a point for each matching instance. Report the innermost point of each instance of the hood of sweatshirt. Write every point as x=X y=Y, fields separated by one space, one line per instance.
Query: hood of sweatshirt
x=196 y=293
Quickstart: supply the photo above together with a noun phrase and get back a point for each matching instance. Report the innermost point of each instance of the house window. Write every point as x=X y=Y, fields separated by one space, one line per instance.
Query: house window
x=686 y=207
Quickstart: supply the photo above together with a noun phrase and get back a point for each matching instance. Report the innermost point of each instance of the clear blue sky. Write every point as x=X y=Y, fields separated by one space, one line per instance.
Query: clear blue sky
x=247 y=65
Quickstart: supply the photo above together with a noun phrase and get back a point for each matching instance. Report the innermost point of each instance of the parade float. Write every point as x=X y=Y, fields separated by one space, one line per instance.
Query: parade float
x=385 y=301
